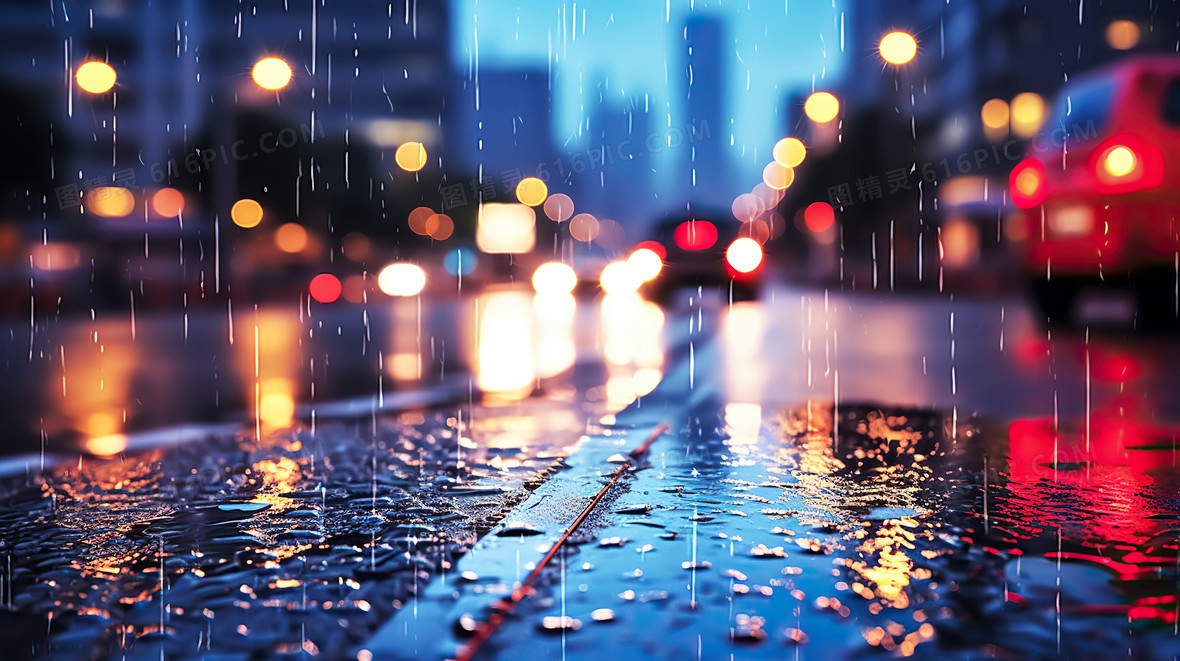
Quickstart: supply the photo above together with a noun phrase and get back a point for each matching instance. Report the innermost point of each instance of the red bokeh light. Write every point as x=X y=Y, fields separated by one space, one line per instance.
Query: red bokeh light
x=325 y=288
x=819 y=216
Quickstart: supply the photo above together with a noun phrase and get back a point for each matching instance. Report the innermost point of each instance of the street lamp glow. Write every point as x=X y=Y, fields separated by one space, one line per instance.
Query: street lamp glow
x=402 y=279
x=821 y=107
x=271 y=73
x=554 y=278
x=95 y=77
x=898 y=47
x=246 y=213
x=531 y=191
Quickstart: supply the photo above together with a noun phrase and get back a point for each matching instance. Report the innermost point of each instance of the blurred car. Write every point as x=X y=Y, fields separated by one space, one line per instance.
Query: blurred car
x=1099 y=193
x=706 y=251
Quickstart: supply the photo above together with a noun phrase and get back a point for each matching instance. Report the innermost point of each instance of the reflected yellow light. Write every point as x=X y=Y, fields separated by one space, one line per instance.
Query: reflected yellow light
x=110 y=201
x=790 y=152
x=291 y=237
x=619 y=278
x=778 y=176
x=410 y=156
x=554 y=316
x=744 y=421
x=646 y=380
x=646 y=264
x=106 y=446
x=531 y=191
x=898 y=47
x=276 y=409
x=506 y=228
x=271 y=73
x=1122 y=34
x=994 y=114
x=401 y=279
x=1119 y=161
x=744 y=255
x=554 y=278
x=505 y=352
x=95 y=77
x=1028 y=113
x=168 y=202
x=405 y=366
x=959 y=243
x=246 y=213
x=821 y=107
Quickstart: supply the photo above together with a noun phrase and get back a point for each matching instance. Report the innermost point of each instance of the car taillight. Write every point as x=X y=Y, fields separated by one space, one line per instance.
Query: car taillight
x=744 y=255
x=1026 y=184
x=695 y=235
x=1126 y=164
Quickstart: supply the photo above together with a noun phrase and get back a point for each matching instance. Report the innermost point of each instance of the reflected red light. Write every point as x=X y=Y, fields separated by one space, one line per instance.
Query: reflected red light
x=819 y=216
x=695 y=235
x=325 y=288
x=653 y=246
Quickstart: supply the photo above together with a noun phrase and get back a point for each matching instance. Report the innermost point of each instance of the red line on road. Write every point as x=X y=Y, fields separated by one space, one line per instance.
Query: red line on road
x=505 y=605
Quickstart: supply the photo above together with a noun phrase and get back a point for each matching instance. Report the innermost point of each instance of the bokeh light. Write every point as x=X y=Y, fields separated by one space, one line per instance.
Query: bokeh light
x=356 y=246
x=1028 y=113
x=168 y=202
x=554 y=278
x=748 y=206
x=778 y=176
x=460 y=261
x=110 y=201
x=584 y=227
x=410 y=156
x=994 y=114
x=531 y=191
x=402 y=279
x=744 y=255
x=324 y=288
x=1122 y=34
x=439 y=226
x=291 y=237
x=898 y=47
x=619 y=278
x=417 y=220
x=819 y=216
x=790 y=152
x=1119 y=161
x=559 y=207
x=271 y=73
x=821 y=107
x=95 y=77
x=246 y=213
x=646 y=263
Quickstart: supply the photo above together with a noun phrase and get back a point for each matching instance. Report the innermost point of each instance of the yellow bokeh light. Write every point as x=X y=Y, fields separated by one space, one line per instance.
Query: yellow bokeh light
x=1119 y=161
x=531 y=191
x=95 y=77
x=1028 y=113
x=994 y=114
x=291 y=237
x=1122 y=34
x=554 y=278
x=647 y=263
x=620 y=278
x=1028 y=181
x=778 y=176
x=271 y=73
x=898 y=47
x=410 y=156
x=246 y=213
x=110 y=201
x=790 y=152
x=821 y=107
x=402 y=279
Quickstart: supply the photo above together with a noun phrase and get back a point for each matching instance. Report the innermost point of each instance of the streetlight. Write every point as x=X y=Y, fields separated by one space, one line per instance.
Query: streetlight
x=821 y=107
x=271 y=73
x=95 y=77
x=898 y=47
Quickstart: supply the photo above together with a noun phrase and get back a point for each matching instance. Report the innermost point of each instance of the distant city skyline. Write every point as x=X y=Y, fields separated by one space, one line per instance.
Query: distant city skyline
x=639 y=49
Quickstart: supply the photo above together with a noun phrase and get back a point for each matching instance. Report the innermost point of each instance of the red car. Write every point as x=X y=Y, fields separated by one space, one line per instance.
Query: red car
x=1099 y=193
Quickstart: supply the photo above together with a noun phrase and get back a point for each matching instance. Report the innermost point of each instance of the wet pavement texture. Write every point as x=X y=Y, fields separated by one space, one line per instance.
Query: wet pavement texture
x=1002 y=493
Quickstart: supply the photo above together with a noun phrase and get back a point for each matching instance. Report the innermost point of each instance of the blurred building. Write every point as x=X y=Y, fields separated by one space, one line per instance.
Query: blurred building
x=705 y=172
x=505 y=125
x=611 y=173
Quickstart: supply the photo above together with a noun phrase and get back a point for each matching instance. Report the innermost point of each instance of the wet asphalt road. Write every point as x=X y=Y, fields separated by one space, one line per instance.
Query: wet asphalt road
x=841 y=473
